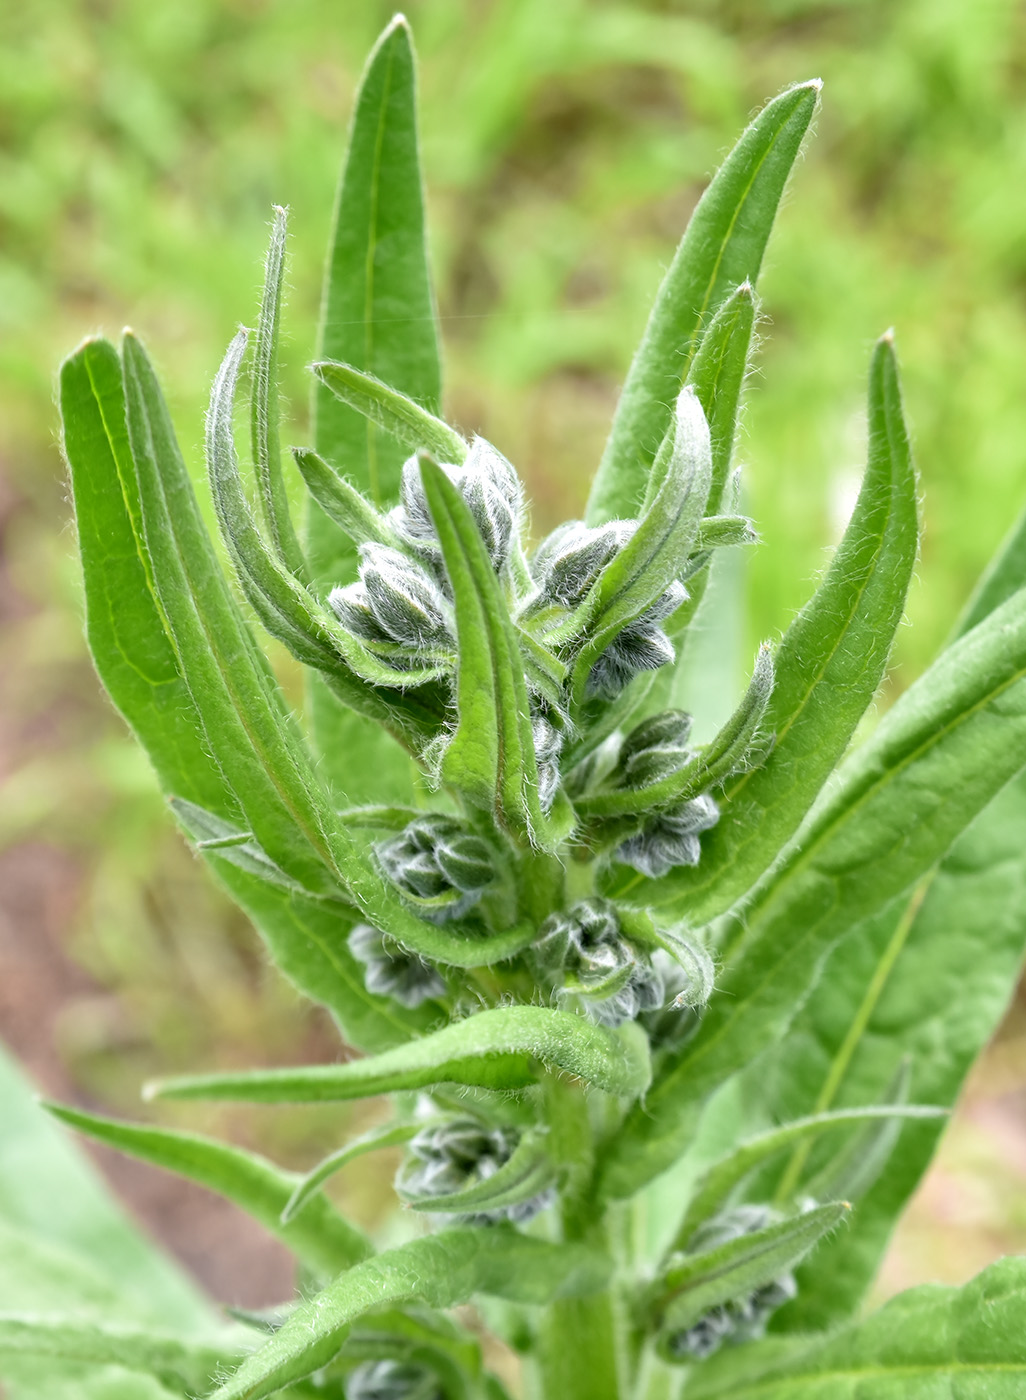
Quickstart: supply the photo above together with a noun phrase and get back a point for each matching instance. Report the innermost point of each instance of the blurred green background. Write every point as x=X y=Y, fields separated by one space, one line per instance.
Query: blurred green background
x=142 y=143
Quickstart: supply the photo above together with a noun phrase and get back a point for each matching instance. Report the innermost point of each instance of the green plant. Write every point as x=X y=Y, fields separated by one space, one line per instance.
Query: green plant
x=633 y=980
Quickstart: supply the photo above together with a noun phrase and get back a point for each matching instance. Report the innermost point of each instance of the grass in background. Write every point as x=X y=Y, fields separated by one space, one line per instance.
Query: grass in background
x=141 y=147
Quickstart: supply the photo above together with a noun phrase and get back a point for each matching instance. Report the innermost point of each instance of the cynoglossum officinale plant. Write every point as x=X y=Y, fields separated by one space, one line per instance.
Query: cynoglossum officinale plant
x=670 y=1026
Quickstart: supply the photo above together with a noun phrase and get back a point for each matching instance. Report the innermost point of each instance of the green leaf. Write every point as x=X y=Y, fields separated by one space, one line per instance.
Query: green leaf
x=497 y=1049
x=716 y=1185
x=937 y=758
x=491 y=756
x=828 y=667
x=378 y=315
x=658 y=552
x=308 y=1186
x=264 y=410
x=1003 y=577
x=182 y=1367
x=930 y=1341
x=528 y=1171
x=323 y=1240
x=441 y=1270
x=695 y=1283
x=340 y=500
x=722 y=247
x=717 y=374
x=395 y=413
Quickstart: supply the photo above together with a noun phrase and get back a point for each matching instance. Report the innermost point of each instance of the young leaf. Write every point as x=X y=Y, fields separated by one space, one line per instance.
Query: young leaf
x=186 y=1368
x=938 y=757
x=377 y=314
x=722 y=247
x=396 y=414
x=264 y=407
x=491 y=755
x=323 y=1240
x=828 y=667
x=714 y=1189
x=440 y=1270
x=310 y=1185
x=497 y=1049
x=933 y=1340
x=695 y=1283
x=340 y=500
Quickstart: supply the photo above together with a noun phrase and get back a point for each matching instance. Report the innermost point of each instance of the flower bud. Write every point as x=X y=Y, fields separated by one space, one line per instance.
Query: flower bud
x=567 y=562
x=392 y=970
x=641 y=646
x=438 y=865
x=654 y=749
x=586 y=946
x=449 y=1157
x=408 y=605
x=548 y=745
x=670 y=839
x=392 y=1380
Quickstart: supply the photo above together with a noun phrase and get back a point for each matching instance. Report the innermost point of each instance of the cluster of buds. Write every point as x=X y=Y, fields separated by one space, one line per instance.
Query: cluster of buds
x=670 y=838
x=440 y=868
x=392 y=1380
x=587 y=953
x=743 y=1318
x=566 y=565
x=397 y=609
x=449 y=1157
x=390 y=970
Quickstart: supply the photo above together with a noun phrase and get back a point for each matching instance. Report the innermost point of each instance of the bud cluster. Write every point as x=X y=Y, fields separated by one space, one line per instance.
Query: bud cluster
x=439 y=867
x=390 y=970
x=392 y=1380
x=585 y=951
x=744 y=1318
x=452 y=1156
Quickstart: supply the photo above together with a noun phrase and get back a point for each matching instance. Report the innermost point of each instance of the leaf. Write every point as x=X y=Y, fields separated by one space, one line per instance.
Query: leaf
x=52 y=1194
x=722 y=247
x=658 y=552
x=929 y=1341
x=828 y=667
x=395 y=413
x=309 y=1185
x=340 y=500
x=377 y=314
x=937 y=758
x=137 y=664
x=491 y=756
x=1005 y=574
x=183 y=1367
x=716 y=1185
x=696 y=1283
x=496 y=1049
x=323 y=1240
x=440 y=1270
x=528 y=1171
x=264 y=411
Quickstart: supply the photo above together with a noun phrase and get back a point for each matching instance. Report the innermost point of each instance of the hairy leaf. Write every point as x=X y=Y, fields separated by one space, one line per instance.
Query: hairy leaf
x=397 y=414
x=308 y=1186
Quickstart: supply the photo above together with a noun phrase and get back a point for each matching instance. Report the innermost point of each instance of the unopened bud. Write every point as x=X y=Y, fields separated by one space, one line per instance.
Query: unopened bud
x=438 y=865
x=548 y=745
x=449 y=1157
x=404 y=600
x=586 y=945
x=654 y=749
x=567 y=562
x=641 y=646
x=670 y=839
x=392 y=1380
x=390 y=970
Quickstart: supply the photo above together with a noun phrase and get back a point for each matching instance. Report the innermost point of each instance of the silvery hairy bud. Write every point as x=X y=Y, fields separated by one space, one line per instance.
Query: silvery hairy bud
x=567 y=562
x=670 y=838
x=449 y=1157
x=390 y=970
x=548 y=745
x=654 y=749
x=586 y=946
x=744 y=1318
x=641 y=646
x=395 y=601
x=392 y=1380
x=438 y=866
x=491 y=489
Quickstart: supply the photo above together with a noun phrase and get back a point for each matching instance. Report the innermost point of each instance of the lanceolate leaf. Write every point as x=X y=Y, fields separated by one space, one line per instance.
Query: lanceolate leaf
x=185 y=1368
x=321 y=1238
x=498 y=1049
x=929 y=1341
x=264 y=412
x=310 y=1184
x=828 y=668
x=441 y=1270
x=340 y=500
x=378 y=315
x=491 y=755
x=938 y=757
x=399 y=416
x=723 y=247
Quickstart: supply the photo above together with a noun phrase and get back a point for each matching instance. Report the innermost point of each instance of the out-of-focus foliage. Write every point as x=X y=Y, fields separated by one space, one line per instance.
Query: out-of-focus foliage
x=141 y=147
